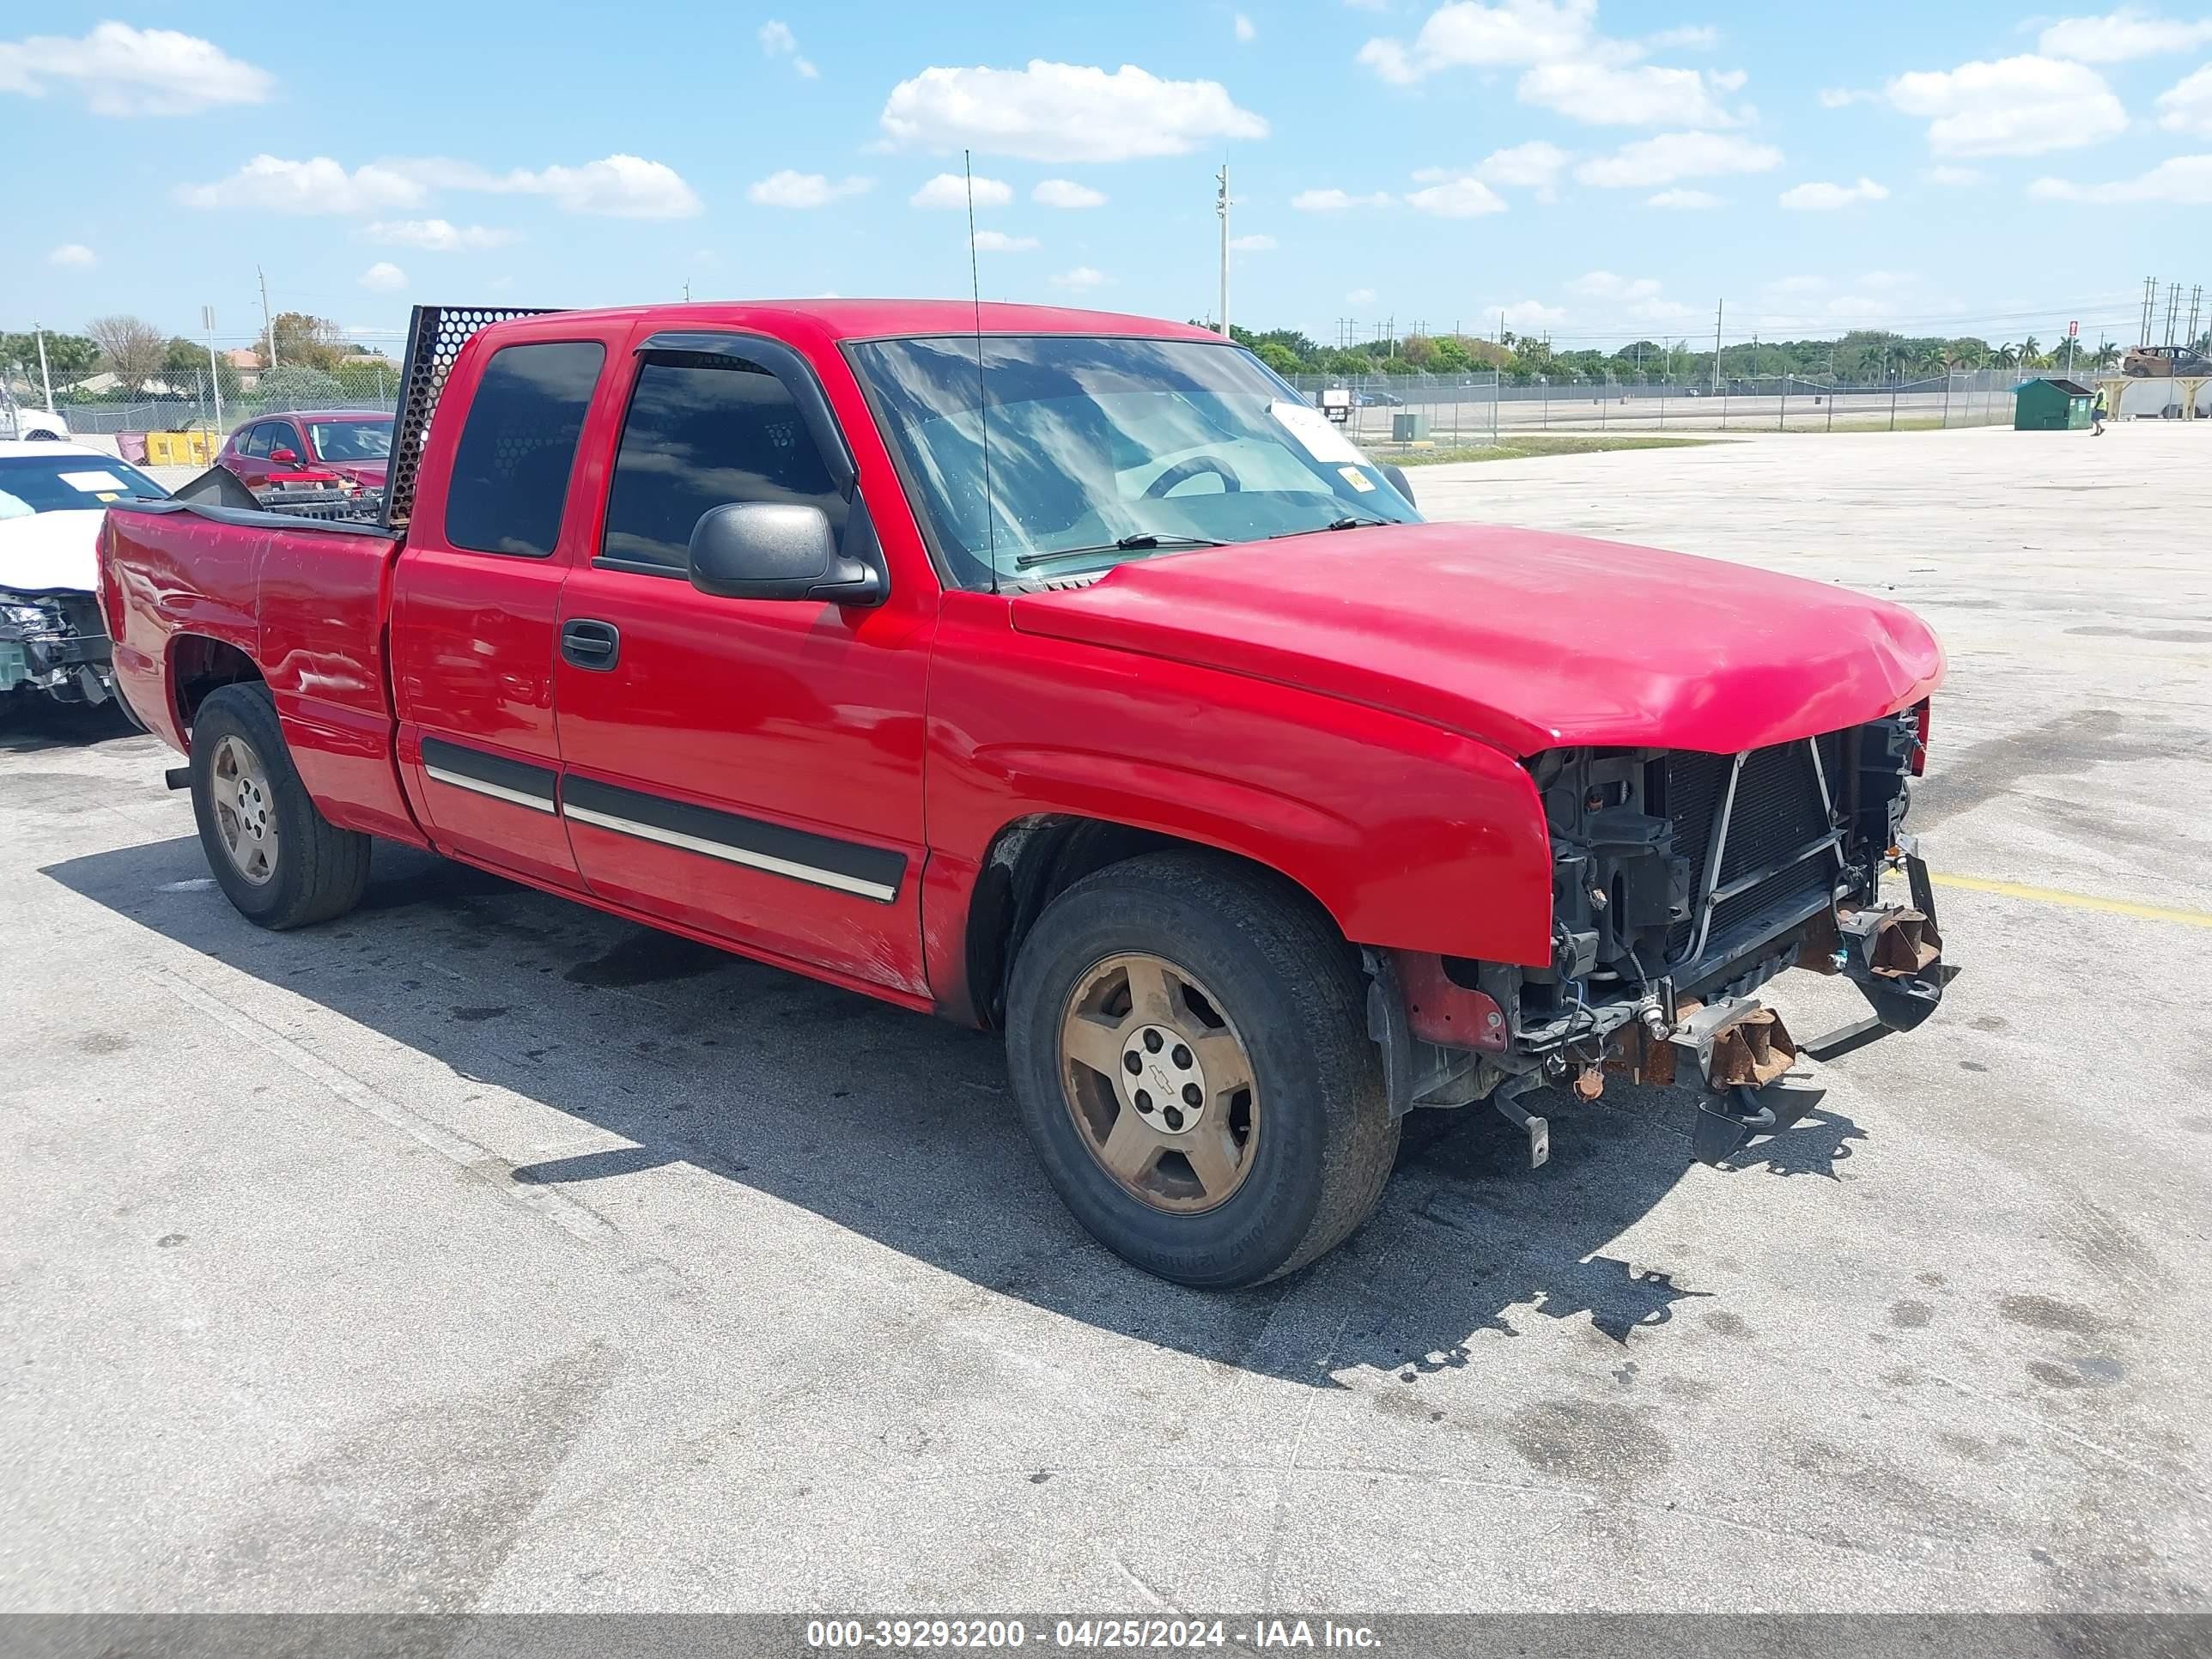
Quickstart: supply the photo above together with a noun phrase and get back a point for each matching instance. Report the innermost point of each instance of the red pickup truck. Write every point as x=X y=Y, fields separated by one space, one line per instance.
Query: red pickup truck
x=1065 y=674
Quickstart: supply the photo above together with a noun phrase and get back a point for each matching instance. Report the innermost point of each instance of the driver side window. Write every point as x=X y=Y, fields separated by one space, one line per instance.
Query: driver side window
x=704 y=429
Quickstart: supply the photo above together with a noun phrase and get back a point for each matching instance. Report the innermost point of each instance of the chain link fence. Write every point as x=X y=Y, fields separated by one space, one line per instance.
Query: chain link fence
x=1405 y=411
x=194 y=402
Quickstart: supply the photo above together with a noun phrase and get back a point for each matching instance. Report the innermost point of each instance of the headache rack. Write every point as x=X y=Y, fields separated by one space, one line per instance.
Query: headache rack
x=1762 y=830
x=435 y=335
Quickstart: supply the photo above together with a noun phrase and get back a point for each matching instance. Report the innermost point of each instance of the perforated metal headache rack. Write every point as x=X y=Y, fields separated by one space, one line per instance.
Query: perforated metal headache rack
x=435 y=335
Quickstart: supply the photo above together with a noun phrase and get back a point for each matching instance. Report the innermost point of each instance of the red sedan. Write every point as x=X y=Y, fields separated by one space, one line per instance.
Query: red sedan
x=339 y=445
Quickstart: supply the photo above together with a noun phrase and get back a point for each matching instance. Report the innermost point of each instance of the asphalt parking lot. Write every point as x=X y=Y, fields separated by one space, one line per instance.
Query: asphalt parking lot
x=479 y=1251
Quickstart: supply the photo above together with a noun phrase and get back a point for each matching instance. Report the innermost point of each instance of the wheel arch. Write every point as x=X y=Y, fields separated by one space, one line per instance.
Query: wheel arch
x=1031 y=860
x=200 y=665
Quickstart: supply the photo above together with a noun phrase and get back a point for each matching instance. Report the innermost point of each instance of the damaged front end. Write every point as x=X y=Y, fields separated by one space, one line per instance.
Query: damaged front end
x=55 y=644
x=1682 y=882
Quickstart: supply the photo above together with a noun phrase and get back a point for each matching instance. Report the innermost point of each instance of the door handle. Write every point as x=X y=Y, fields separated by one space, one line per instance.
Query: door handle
x=587 y=644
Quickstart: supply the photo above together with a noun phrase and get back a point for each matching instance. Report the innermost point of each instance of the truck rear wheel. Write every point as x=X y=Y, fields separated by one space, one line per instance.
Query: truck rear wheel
x=274 y=856
x=1188 y=1050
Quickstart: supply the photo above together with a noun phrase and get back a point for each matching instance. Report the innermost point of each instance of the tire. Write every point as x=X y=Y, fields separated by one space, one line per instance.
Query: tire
x=1270 y=967
x=309 y=870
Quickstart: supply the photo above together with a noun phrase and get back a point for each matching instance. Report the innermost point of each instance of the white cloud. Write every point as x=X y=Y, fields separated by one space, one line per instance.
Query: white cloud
x=778 y=41
x=2186 y=106
x=1533 y=165
x=73 y=254
x=1067 y=193
x=1360 y=296
x=1684 y=200
x=1082 y=276
x=790 y=189
x=1513 y=34
x=1524 y=315
x=614 y=186
x=1954 y=178
x=997 y=241
x=270 y=184
x=1063 y=112
x=1251 y=244
x=1463 y=198
x=1336 y=201
x=1245 y=29
x=1672 y=155
x=435 y=235
x=1640 y=95
x=1605 y=285
x=2023 y=106
x=1824 y=197
x=121 y=70
x=2129 y=32
x=384 y=277
x=2181 y=181
x=949 y=190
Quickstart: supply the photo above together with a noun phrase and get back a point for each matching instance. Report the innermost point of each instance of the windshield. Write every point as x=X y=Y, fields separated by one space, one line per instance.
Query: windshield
x=351 y=441
x=62 y=483
x=1102 y=450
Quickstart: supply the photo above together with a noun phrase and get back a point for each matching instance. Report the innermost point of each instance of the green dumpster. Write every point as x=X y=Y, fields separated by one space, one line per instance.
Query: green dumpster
x=2047 y=405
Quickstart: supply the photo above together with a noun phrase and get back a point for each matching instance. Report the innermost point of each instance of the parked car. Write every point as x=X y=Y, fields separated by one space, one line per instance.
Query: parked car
x=1164 y=737
x=53 y=642
x=18 y=423
x=348 y=449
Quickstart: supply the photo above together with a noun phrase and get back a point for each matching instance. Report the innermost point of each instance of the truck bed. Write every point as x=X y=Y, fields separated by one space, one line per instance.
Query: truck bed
x=200 y=586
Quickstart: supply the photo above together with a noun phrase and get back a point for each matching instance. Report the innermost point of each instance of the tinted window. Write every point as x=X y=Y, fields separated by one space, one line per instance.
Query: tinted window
x=703 y=430
x=279 y=434
x=511 y=471
x=253 y=440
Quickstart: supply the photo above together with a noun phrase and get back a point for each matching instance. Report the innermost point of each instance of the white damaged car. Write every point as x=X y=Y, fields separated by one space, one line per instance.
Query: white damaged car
x=53 y=497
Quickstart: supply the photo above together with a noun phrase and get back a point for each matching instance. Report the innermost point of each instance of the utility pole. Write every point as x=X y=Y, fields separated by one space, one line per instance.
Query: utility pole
x=268 y=323
x=2196 y=299
x=687 y=291
x=2173 y=304
x=215 y=374
x=1221 y=207
x=46 y=381
x=1718 y=311
x=2150 y=289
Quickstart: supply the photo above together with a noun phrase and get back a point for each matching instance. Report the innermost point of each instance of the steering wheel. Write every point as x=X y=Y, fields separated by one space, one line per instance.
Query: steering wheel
x=1196 y=466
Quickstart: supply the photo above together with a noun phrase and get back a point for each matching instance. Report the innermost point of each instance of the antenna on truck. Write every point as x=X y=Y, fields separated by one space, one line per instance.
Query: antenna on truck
x=982 y=393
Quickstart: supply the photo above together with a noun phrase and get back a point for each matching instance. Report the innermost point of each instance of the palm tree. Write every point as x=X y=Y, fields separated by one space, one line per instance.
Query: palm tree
x=2106 y=355
x=2007 y=355
x=2031 y=353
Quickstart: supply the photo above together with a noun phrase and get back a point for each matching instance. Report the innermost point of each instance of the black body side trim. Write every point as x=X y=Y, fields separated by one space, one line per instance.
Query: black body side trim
x=848 y=862
x=518 y=775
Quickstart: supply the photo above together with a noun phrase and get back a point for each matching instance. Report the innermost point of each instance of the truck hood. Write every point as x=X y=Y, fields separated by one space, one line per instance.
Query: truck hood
x=1524 y=640
x=50 y=552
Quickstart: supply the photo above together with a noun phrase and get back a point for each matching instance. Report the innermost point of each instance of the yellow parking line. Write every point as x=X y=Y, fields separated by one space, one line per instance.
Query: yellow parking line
x=2077 y=901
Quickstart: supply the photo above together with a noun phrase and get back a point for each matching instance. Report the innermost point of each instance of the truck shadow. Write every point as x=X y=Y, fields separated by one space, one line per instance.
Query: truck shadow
x=30 y=723
x=900 y=1127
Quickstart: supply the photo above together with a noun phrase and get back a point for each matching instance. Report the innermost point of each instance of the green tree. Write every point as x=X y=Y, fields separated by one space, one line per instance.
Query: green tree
x=1450 y=357
x=286 y=387
x=1281 y=358
x=306 y=341
x=69 y=356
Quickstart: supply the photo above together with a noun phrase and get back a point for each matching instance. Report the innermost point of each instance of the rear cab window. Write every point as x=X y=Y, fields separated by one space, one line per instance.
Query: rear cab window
x=518 y=446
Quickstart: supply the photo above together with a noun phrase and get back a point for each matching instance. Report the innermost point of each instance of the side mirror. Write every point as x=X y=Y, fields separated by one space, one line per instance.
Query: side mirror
x=285 y=457
x=775 y=551
x=1399 y=481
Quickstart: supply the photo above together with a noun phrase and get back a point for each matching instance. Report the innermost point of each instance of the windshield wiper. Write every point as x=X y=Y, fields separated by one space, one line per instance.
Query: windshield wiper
x=1348 y=522
x=1138 y=543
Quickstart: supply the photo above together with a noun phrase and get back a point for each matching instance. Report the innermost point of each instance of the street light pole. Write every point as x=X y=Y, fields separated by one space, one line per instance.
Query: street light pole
x=215 y=372
x=46 y=381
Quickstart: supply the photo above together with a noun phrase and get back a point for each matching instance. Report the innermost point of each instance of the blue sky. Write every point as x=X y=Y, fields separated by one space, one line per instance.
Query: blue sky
x=1597 y=171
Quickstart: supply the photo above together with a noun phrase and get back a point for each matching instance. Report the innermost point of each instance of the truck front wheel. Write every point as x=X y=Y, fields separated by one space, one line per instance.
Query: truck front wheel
x=1188 y=1051
x=278 y=859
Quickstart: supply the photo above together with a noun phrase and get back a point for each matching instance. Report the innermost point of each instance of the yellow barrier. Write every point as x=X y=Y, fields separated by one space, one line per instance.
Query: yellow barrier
x=180 y=449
